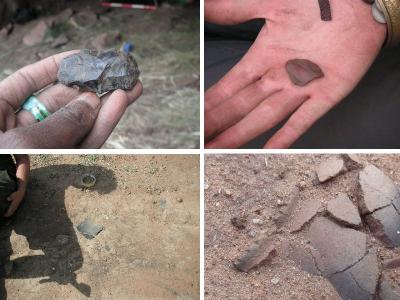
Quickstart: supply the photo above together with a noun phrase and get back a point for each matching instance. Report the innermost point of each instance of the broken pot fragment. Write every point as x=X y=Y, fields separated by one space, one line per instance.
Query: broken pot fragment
x=378 y=190
x=308 y=209
x=339 y=247
x=303 y=71
x=360 y=281
x=380 y=203
x=99 y=72
x=330 y=168
x=344 y=211
x=385 y=225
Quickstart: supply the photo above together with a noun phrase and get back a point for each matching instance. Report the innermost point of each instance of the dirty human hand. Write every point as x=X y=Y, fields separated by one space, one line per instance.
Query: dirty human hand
x=22 y=174
x=257 y=93
x=78 y=120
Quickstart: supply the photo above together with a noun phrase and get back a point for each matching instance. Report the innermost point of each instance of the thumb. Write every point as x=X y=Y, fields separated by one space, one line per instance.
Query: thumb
x=10 y=198
x=66 y=128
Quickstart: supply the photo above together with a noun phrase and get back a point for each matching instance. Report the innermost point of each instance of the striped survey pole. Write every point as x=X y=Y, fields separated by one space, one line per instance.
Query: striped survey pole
x=130 y=6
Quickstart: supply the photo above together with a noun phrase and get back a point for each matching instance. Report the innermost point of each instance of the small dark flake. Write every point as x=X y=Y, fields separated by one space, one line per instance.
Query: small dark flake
x=99 y=72
x=303 y=71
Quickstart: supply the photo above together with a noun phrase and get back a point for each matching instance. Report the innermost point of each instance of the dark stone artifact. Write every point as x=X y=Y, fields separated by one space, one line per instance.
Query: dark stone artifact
x=99 y=72
x=88 y=229
x=325 y=7
x=303 y=71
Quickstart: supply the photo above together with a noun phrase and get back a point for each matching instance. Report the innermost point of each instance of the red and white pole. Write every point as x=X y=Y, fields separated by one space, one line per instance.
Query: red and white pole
x=130 y=6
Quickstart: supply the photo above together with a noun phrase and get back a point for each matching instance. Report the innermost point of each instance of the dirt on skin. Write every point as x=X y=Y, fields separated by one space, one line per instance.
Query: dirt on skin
x=258 y=188
x=148 y=249
x=167 y=49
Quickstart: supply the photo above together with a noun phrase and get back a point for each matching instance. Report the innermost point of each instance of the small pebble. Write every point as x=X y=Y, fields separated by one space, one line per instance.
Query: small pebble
x=280 y=202
x=302 y=185
x=257 y=221
x=275 y=280
x=227 y=193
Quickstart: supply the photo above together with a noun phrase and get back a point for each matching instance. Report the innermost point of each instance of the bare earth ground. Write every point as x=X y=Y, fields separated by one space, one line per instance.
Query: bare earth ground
x=149 y=248
x=259 y=188
x=167 y=48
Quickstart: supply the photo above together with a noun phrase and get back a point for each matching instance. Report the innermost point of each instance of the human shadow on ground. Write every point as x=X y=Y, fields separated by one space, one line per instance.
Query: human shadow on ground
x=43 y=220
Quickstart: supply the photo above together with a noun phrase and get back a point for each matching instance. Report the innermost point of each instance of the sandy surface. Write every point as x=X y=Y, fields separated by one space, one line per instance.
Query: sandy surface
x=149 y=248
x=259 y=187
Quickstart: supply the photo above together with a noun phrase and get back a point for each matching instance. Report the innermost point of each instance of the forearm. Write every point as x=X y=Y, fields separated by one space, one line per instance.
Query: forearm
x=23 y=170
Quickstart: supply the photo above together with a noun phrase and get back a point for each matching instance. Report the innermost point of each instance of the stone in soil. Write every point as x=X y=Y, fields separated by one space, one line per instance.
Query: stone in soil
x=378 y=190
x=308 y=209
x=257 y=253
x=342 y=209
x=61 y=17
x=60 y=41
x=303 y=71
x=330 y=169
x=338 y=247
x=99 y=72
x=384 y=224
x=83 y=19
x=107 y=40
x=89 y=229
x=36 y=35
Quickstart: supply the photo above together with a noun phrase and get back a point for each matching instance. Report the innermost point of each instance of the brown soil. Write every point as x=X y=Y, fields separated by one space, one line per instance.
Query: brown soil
x=149 y=248
x=260 y=187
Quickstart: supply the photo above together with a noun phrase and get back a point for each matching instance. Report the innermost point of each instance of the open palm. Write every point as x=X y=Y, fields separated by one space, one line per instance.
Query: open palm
x=257 y=93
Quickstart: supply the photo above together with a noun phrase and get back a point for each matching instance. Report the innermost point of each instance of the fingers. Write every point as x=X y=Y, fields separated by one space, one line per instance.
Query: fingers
x=299 y=123
x=53 y=98
x=227 y=12
x=248 y=70
x=66 y=128
x=265 y=116
x=113 y=107
x=233 y=110
x=30 y=79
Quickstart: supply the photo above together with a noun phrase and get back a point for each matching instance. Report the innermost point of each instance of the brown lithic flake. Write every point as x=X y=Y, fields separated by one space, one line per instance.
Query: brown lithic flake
x=260 y=251
x=303 y=71
x=325 y=7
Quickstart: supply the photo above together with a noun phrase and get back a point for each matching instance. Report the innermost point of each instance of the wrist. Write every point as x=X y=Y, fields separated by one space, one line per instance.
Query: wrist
x=391 y=12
